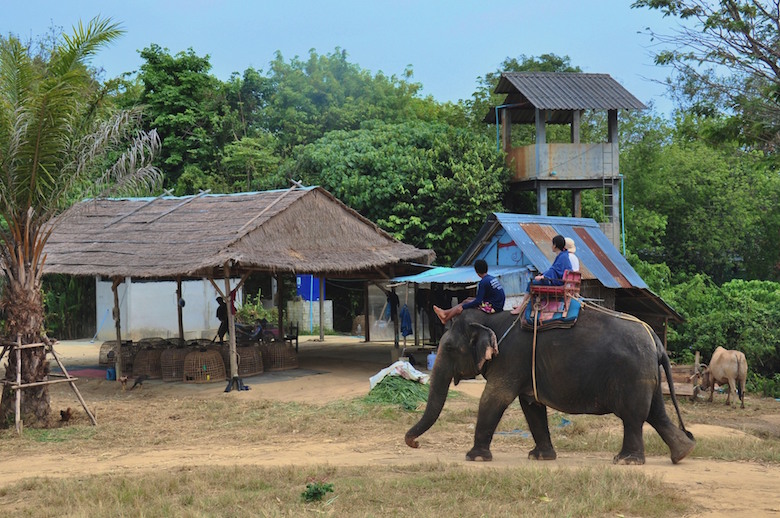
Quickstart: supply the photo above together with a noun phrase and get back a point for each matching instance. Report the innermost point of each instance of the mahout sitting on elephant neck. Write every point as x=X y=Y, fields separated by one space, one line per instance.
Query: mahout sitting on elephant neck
x=604 y=365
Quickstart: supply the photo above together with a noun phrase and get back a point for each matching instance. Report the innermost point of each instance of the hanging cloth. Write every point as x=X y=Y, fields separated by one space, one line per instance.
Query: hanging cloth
x=406 y=321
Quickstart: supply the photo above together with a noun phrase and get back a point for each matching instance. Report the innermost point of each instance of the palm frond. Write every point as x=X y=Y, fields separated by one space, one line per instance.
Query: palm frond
x=84 y=43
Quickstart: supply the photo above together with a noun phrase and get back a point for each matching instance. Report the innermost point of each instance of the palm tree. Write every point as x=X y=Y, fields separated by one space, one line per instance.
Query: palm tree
x=56 y=136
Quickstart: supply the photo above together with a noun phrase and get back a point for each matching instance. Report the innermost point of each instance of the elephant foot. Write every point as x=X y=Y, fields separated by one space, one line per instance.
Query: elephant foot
x=682 y=448
x=629 y=459
x=542 y=454
x=482 y=454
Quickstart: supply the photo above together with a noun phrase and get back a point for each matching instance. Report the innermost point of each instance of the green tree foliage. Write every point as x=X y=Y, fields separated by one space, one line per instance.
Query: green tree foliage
x=429 y=185
x=742 y=315
x=186 y=106
x=700 y=208
x=307 y=99
x=725 y=59
x=250 y=164
x=55 y=134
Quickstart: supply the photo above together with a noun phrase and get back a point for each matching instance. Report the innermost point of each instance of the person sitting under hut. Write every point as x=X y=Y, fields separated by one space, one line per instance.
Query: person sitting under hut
x=490 y=296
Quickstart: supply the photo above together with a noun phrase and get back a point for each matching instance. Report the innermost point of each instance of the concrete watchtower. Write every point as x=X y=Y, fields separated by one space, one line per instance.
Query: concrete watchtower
x=542 y=98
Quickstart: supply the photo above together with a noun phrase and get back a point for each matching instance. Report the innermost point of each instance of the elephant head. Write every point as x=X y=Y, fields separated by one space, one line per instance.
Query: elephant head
x=462 y=353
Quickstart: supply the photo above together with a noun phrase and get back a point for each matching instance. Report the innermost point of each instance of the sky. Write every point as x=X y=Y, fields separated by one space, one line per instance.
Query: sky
x=448 y=44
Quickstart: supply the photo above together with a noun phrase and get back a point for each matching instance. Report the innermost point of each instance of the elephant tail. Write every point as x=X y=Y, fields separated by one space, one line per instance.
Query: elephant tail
x=663 y=360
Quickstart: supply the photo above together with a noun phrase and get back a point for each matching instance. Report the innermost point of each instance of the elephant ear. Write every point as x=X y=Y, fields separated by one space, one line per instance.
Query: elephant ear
x=485 y=344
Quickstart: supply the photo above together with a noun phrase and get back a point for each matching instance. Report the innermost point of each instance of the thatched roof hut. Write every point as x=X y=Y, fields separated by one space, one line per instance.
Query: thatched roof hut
x=300 y=230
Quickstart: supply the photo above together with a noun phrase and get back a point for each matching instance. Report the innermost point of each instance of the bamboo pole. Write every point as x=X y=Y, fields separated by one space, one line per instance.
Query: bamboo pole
x=18 y=416
x=118 y=354
x=231 y=328
x=179 y=309
x=72 y=384
x=322 y=309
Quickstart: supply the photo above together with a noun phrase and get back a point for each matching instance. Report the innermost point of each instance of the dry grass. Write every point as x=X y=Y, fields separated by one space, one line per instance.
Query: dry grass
x=152 y=421
x=424 y=490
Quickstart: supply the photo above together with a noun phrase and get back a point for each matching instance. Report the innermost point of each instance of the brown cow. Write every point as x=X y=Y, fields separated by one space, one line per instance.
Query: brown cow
x=726 y=366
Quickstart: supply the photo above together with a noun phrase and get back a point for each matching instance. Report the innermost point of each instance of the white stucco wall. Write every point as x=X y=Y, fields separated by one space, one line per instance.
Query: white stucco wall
x=148 y=309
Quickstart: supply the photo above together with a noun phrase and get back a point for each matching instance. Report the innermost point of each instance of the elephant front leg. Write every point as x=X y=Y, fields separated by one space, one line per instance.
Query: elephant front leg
x=492 y=406
x=536 y=416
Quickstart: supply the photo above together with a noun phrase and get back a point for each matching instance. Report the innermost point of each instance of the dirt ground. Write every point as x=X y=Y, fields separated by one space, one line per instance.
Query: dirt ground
x=339 y=369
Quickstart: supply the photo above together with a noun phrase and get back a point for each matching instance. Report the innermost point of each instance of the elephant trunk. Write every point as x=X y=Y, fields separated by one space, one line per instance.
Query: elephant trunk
x=437 y=395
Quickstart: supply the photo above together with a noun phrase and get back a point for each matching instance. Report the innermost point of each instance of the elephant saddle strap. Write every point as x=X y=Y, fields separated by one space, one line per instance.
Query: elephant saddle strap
x=551 y=313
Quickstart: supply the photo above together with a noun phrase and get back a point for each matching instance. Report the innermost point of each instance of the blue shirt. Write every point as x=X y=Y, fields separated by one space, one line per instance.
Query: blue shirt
x=560 y=265
x=489 y=290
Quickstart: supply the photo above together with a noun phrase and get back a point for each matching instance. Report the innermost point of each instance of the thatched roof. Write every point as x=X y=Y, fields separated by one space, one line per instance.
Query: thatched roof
x=302 y=230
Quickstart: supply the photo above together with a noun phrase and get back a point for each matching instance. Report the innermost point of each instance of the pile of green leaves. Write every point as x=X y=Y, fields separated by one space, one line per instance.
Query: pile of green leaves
x=395 y=390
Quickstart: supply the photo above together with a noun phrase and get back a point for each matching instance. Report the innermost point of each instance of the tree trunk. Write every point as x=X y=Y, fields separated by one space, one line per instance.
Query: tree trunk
x=24 y=317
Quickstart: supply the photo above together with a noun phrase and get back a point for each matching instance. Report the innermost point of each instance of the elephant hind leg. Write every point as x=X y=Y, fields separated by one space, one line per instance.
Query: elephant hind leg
x=680 y=442
x=536 y=416
x=633 y=450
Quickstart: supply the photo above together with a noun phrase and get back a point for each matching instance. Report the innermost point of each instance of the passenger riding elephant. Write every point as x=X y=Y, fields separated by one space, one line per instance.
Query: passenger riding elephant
x=607 y=363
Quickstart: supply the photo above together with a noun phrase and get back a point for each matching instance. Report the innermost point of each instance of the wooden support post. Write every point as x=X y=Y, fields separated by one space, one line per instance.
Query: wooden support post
x=280 y=298
x=18 y=414
x=118 y=353
x=322 y=309
x=179 y=310
x=231 y=329
x=395 y=321
x=366 y=326
x=416 y=323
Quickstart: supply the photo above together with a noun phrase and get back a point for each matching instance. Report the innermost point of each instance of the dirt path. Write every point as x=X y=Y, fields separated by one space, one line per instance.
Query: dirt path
x=718 y=488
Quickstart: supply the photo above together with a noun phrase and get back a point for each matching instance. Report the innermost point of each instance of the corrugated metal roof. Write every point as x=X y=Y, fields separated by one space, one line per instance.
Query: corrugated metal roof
x=569 y=91
x=599 y=259
x=561 y=93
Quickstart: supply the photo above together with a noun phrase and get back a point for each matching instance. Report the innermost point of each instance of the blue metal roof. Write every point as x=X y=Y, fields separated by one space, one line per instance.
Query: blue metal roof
x=532 y=234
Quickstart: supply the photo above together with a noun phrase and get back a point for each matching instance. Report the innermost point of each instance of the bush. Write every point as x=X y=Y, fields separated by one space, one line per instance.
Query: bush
x=769 y=387
x=741 y=315
x=253 y=311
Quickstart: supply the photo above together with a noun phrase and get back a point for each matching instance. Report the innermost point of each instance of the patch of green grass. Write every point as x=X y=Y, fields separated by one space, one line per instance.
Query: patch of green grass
x=64 y=434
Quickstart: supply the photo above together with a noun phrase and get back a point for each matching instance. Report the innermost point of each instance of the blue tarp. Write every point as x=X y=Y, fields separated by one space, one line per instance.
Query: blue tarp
x=459 y=275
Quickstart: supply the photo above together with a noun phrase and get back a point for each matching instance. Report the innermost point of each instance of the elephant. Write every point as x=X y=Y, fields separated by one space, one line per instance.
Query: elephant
x=607 y=363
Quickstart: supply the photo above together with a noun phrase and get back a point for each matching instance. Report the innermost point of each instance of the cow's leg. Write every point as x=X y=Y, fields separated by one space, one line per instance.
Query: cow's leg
x=732 y=390
x=742 y=391
x=712 y=391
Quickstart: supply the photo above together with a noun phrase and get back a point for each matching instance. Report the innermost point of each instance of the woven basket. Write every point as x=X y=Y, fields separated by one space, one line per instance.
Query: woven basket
x=107 y=355
x=172 y=363
x=147 y=361
x=204 y=367
x=250 y=359
x=153 y=343
x=278 y=356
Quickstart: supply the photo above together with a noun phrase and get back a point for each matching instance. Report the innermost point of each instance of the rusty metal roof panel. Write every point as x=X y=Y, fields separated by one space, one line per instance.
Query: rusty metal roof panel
x=599 y=259
x=568 y=91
